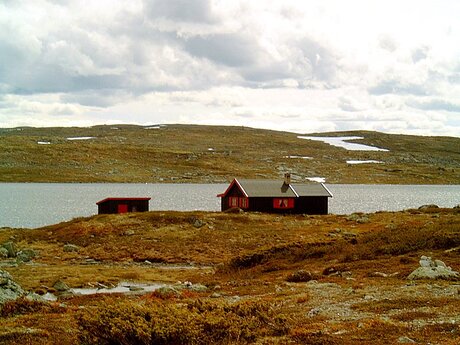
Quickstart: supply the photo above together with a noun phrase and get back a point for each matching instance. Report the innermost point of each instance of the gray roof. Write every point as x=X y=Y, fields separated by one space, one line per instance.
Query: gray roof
x=276 y=188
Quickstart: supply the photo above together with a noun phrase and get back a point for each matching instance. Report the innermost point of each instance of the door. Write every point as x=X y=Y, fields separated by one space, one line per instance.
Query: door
x=122 y=208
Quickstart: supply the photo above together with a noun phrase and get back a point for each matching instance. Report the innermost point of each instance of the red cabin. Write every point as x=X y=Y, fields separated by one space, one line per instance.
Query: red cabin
x=276 y=196
x=123 y=205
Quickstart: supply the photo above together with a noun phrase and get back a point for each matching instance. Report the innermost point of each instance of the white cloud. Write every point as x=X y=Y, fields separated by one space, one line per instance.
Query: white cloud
x=299 y=66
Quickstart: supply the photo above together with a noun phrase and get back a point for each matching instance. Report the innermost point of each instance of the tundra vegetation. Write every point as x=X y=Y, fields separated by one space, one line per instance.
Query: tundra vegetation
x=190 y=153
x=236 y=279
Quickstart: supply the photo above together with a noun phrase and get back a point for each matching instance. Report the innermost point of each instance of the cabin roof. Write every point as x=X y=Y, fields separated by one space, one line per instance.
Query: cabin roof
x=121 y=199
x=276 y=188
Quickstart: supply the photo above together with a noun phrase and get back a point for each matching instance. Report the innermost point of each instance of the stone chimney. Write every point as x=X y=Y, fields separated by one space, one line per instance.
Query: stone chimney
x=287 y=179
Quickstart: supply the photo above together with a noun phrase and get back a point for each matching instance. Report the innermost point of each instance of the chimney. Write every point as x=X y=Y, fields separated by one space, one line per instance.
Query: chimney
x=287 y=179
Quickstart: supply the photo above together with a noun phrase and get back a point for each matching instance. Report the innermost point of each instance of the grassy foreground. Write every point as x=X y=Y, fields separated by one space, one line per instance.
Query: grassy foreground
x=264 y=279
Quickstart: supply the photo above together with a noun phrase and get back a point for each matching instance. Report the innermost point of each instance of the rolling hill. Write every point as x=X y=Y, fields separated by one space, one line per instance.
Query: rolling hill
x=204 y=154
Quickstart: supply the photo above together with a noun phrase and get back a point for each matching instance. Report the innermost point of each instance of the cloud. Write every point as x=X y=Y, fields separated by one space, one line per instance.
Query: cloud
x=197 y=11
x=257 y=63
x=233 y=50
x=435 y=104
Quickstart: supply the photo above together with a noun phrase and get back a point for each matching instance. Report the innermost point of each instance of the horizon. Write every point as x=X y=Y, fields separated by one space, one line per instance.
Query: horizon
x=229 y=125
x=284 y=65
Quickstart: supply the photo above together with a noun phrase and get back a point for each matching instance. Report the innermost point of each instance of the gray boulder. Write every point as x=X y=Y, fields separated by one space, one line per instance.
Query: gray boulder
x=71 y=248
x=9 y=290
x=26 y=255
x=11 y=248
x=433 y=269
x=3 y=253
x=60 y=286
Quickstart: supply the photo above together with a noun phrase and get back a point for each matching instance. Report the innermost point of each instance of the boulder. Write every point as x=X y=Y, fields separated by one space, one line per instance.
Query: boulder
x=3 y=253
x=60 y=286
x=9 y=290
x=433 y=269
x=11 y=248
x=26 y=255
x=71 y=248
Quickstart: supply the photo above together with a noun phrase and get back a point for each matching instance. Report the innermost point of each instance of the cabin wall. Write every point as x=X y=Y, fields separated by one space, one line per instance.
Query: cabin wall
x=224 y=201
x=312 y=205
x=302 y=205
x=111 y=206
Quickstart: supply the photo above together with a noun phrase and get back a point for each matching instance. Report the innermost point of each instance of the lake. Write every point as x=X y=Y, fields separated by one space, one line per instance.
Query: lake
x=30 y=205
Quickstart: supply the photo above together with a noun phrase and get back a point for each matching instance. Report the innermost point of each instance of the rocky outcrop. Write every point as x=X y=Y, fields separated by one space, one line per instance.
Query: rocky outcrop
x=9 y=289
x=433 y=269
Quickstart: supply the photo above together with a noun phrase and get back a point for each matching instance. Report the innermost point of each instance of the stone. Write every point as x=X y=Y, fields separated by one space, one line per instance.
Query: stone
x=198 y=223
x=300 y=276
x=71 y=248
x=3 y=253
x=26 y=255
x=11 y=248
x=197 y=288
x=433 y=269
x=406 y=340
x=129 y=232
x=60 y=286
x=9 y=289
x=167 y=292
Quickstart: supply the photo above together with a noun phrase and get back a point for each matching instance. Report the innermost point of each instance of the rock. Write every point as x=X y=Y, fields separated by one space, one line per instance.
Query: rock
x=197 y=288
x=166 y=292
x=11 y=248
x=26 y=255
x=406 y=340
x=71 y=248
x=358 y=218
x=3 y=253
x=198 y=223
x=129 y=232
x=60 y=286
x=433 y=269
x=234 y=210
x=300 y=276
x=9 y=290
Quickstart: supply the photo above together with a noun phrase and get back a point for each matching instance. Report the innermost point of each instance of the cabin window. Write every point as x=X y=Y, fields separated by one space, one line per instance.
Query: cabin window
x=244 y=202
x=283 y=203
x=233 y=201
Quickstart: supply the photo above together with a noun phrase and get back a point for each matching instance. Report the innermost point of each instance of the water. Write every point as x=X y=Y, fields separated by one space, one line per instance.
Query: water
x=31 y=205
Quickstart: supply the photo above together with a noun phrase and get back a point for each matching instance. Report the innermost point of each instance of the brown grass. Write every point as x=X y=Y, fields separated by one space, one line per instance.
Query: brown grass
x=247 y=258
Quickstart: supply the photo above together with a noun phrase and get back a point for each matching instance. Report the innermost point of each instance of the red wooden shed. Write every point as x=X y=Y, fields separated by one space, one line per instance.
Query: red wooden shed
x=123 y=205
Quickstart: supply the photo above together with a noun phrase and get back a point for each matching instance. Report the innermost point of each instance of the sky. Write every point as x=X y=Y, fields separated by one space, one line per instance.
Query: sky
x=299 y=66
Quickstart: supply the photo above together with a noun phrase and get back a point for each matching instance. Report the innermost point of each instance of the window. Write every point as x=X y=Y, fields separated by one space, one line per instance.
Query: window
x=283 y=203
x=233 y=201
x=244 y=202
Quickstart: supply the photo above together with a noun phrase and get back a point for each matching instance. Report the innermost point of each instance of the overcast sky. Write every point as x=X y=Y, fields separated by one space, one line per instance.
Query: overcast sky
x=301 y=66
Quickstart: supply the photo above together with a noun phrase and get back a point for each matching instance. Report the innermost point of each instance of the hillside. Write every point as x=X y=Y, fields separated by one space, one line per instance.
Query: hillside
x=191 y=153
x=233 y=279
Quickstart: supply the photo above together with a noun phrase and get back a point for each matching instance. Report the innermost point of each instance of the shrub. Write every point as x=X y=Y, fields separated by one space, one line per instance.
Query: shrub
x=24 y=305
x=153 y=322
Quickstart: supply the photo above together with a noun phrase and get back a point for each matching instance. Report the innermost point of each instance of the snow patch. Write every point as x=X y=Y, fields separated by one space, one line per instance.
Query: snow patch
x=363 y=162
x=43 y=143
x=299 y=157
x=155 y=127
x=80 y=138
x=341 y=142
x=317 y=179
